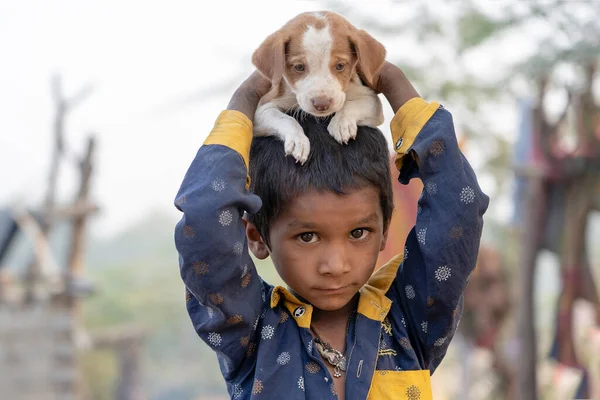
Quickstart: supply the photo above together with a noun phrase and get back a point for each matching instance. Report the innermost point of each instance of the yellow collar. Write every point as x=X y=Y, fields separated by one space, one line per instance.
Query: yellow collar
x=373 y=303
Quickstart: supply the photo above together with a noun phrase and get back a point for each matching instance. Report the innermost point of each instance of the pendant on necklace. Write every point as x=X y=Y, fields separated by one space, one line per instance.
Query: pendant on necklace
x=333 y=357
x=339 y=365
x=336 y=372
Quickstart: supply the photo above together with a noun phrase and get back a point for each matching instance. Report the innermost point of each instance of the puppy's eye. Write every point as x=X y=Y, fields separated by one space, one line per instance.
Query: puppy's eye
x=299 y=67
x=340 y=66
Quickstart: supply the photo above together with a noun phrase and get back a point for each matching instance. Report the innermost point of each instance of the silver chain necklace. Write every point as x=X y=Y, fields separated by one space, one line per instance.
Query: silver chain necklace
x=333 y=356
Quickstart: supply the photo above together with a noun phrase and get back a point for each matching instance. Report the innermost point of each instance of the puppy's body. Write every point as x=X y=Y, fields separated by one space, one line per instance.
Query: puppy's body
x=314 y=63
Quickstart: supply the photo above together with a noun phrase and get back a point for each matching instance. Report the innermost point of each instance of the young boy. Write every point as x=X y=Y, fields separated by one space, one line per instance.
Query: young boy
x=337 y=330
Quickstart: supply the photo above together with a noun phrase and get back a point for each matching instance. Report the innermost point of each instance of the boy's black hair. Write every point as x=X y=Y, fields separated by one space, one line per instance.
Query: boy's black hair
x=331 y=166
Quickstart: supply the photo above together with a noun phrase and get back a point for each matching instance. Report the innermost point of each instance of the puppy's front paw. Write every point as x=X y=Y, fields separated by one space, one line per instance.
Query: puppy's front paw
x=296 y=143
x=342 y=127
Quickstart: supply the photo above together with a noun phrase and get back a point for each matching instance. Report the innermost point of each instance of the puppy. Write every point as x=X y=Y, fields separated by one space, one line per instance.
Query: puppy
x=314 y=62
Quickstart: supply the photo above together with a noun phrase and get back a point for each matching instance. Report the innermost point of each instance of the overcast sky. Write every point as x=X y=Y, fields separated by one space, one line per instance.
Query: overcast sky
x=144 y=62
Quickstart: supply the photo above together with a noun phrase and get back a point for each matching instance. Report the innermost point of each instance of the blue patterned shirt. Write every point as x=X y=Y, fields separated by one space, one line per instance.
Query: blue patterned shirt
x=408 y=311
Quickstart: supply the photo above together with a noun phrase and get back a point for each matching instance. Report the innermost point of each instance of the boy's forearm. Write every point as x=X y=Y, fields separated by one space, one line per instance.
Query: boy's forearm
x=224 y=292
x=244 y=100
x=246 y=97
x=441 y=250
x=210 y=237
x=396 y=87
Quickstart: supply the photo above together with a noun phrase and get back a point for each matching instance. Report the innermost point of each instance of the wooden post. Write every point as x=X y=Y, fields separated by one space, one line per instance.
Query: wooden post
x=129 y=382
x=33 y=269
x=57 y=151
x=77 y=251
x=63 y=106
x=126 y=342
x=76 y=258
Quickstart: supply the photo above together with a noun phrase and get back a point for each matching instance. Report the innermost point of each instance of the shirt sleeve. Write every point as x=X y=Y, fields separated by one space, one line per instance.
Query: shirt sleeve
x=224 y=294
x=441 y=250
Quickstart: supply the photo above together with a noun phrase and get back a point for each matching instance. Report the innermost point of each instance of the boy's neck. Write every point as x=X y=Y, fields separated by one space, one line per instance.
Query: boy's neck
x=334 y=318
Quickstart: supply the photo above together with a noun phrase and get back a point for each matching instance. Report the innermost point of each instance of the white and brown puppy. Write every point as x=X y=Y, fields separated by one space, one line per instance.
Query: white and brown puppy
x=314 y=62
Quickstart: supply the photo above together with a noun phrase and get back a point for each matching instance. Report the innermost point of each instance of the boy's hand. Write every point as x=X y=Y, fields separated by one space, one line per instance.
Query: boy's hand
x=394 y=85
x=245 y=98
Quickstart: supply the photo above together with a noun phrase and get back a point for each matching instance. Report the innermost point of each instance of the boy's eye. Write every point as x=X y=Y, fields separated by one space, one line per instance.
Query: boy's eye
x=308 y=237
x=358 y=233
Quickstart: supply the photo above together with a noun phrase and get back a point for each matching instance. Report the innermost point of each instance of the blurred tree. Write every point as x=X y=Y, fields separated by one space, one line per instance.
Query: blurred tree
x=560 y=181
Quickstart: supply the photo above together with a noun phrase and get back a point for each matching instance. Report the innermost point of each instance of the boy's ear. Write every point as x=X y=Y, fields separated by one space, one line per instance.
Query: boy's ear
x=384 y=239
x=255 y=241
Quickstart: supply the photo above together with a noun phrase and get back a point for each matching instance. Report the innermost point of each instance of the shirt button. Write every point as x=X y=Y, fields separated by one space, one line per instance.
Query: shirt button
x=399 y=143
x=298 y=312
x=326 y=379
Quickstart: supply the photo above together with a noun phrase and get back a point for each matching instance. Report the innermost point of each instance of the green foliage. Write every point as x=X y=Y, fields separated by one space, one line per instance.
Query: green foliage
x=475 y=27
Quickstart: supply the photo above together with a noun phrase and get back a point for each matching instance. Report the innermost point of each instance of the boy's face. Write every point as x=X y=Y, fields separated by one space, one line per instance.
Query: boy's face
x=325 y=246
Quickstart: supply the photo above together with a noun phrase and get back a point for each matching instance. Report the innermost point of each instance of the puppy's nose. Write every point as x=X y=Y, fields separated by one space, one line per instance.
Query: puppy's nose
x=321 y=103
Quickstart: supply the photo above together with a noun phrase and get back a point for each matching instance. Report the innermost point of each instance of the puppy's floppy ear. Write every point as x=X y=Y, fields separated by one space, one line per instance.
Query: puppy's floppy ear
x=269 y=58
x=371 y=55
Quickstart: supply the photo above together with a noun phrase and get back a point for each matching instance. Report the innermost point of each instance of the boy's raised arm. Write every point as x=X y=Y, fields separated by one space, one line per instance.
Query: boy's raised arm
x=441 y=250
x=224 y=294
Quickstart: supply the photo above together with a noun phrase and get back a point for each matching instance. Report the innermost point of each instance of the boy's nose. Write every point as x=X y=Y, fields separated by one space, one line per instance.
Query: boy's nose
x=334 y=262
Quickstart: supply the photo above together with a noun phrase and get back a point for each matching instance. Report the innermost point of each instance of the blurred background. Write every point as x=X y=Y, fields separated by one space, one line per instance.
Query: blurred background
x=104 y=105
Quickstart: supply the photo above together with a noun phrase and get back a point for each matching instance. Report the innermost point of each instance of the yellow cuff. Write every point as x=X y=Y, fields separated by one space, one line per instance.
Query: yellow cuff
x=407 y=123
x=234 y=130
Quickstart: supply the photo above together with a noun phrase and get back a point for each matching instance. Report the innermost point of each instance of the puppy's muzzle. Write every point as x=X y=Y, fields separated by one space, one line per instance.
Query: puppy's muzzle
x=321 y=103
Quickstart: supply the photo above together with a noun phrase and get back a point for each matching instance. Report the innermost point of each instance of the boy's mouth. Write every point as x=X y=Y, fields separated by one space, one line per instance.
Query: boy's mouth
x=332 y=290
